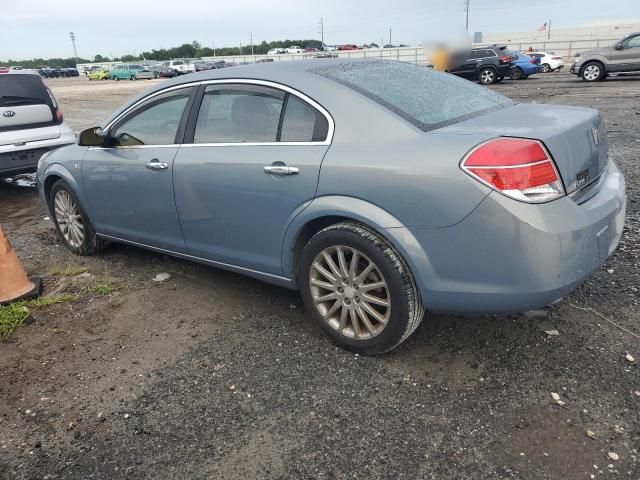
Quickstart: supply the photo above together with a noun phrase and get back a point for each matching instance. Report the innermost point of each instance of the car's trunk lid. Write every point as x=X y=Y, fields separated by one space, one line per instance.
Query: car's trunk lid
x=575 y=136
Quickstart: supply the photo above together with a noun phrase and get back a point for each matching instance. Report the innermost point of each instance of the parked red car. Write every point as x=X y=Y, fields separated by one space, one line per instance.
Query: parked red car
x=348 y=47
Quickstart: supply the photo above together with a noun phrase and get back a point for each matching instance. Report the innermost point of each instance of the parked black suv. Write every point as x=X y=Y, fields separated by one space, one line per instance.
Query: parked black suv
x=486 y=65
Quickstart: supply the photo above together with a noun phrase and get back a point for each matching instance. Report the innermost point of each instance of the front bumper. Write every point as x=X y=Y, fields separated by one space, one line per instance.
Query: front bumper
x=509 y=256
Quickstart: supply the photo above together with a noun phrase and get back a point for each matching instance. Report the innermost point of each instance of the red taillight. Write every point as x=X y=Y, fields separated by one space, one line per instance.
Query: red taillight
x=533 y=60
x=517 y=167
x=505 y=58
x=556 y=58
x=56 y=107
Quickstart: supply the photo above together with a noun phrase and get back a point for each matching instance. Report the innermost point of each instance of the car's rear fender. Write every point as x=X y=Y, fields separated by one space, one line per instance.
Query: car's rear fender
x=336 y=208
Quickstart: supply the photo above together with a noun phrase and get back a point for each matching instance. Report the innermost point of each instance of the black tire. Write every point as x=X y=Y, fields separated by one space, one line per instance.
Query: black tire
x=487 y=76
x=407 y=310
x=117 y=78
x=516 y=73
x=546 y=68
x=593 y=72
x=91 y=243
x=133 y=77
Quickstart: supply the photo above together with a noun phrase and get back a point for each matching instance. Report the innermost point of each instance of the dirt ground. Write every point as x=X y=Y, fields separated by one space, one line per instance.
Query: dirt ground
x=213 y=375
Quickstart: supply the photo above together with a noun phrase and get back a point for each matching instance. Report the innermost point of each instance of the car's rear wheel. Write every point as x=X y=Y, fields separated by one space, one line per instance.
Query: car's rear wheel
x=487 y=76
x=358 y=289
x=516 y=73
x=116 y=78
x=72 y=221
x=546 y=68
x=592 y=72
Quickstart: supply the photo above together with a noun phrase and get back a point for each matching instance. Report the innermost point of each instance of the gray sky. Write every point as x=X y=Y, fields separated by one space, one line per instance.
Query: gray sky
x=40 y=28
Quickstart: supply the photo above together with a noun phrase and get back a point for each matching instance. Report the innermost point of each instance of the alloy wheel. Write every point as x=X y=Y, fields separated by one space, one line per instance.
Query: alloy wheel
x=487 y=76
x=69 y=219
x=350 y=292
x=591 y=72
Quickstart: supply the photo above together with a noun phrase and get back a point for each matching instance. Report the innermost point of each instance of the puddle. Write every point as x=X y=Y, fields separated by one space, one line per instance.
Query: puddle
x=20 y=204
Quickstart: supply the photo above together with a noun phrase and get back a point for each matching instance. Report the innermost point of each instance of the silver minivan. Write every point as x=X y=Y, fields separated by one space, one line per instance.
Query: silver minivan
x=30 y=122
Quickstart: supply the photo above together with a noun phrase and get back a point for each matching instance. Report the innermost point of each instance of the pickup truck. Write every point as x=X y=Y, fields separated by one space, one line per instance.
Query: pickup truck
x=180 y=66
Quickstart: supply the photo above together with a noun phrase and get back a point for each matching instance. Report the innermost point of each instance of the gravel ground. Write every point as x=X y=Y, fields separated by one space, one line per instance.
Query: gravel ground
x=213 y=375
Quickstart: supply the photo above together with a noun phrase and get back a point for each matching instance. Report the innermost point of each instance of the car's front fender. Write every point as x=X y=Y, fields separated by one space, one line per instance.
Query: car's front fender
x=57 y=170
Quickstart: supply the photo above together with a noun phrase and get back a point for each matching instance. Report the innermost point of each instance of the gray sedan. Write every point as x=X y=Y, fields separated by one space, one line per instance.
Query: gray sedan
x=377 y=189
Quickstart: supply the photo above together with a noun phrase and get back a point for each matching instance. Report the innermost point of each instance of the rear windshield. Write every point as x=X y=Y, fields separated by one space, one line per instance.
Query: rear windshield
x=19 y=89
x=426 y=98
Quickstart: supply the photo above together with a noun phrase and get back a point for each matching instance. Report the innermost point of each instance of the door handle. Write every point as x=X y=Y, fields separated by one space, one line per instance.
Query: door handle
x=281 y=170
x=156 y=164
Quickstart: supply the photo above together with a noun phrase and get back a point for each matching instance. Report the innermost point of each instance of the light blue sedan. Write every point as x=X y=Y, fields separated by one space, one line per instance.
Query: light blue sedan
x=377 y=189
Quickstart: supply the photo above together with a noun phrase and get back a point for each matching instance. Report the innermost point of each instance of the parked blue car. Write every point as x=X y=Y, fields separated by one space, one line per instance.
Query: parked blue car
x=523 y=66
x=378 y=189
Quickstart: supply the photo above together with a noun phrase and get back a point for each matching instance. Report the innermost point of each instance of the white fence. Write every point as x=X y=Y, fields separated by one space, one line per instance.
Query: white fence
x=566 y=49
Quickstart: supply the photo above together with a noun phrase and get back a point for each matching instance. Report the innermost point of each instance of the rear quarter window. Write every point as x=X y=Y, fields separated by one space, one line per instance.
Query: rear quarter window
x=425 y=98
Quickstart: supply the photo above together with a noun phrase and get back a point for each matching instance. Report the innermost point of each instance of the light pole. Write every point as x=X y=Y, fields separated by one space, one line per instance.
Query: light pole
x=466 y=9
x=73 y=42
x=251 y=41
x=321 y=27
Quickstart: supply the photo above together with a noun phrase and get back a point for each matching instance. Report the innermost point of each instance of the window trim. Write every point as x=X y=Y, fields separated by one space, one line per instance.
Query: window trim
x=192 y=111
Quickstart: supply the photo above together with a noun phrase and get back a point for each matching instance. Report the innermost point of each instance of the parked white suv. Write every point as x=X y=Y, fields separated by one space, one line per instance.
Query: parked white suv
x=294 y=49
x=549 y=62
x=276 y=51
x=180 y=66
x=30 y=122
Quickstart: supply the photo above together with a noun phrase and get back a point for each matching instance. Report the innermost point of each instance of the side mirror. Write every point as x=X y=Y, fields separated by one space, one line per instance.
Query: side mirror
x=619 y=46
x=91 y=137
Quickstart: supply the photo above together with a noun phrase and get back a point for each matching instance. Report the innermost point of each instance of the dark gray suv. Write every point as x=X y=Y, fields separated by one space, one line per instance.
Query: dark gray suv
x=596 y=64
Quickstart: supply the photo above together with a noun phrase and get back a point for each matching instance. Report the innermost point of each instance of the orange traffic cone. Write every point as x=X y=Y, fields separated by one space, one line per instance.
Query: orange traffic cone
x=14 y=284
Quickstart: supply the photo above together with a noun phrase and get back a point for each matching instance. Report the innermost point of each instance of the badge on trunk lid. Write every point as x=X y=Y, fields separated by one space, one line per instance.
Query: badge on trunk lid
x=9 y=113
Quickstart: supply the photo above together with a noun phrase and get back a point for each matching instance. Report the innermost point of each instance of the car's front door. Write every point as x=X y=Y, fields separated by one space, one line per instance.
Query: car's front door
x=627 y=57
x=253 y=164
x=129 y=182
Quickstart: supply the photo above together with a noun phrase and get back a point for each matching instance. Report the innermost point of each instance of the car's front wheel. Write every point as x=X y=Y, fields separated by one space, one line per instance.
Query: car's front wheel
x=487 y=76
x=358 y=289
x=546 y=68
x=592 y=72
x=72 y=221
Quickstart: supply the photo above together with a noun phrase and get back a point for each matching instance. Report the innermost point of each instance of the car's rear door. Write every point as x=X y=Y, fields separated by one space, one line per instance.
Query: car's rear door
x=129 y=183
x=253 y=164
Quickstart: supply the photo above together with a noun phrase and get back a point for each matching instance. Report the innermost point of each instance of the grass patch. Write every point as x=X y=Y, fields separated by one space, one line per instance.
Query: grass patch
x=68 y=271
x=14 y=314
x=103 y=286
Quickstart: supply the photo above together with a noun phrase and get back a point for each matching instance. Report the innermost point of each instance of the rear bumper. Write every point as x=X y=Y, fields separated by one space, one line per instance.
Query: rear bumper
x=24 y=158
x=509 y=257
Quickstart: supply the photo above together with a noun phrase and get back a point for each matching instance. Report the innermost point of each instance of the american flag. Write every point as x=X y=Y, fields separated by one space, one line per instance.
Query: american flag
x=543 y=27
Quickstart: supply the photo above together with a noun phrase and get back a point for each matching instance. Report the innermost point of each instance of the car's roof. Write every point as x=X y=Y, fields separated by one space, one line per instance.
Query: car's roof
x=21 y=72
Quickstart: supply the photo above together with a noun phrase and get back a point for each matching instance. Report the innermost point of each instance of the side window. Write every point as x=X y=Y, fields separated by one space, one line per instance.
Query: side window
x=632 y=42
x=302 y=123
x=155 y=122
x=238 y=115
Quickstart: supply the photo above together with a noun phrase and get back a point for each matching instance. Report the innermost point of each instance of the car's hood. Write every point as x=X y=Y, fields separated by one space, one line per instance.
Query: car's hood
x=596 y=51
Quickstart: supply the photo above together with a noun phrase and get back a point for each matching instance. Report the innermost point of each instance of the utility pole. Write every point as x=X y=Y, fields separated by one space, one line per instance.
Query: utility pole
x=549 y=30
x=214 y=49
x=390 y=44
x=73 y=42
x=321 y=30
x=251 y=41
x=466 y=9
